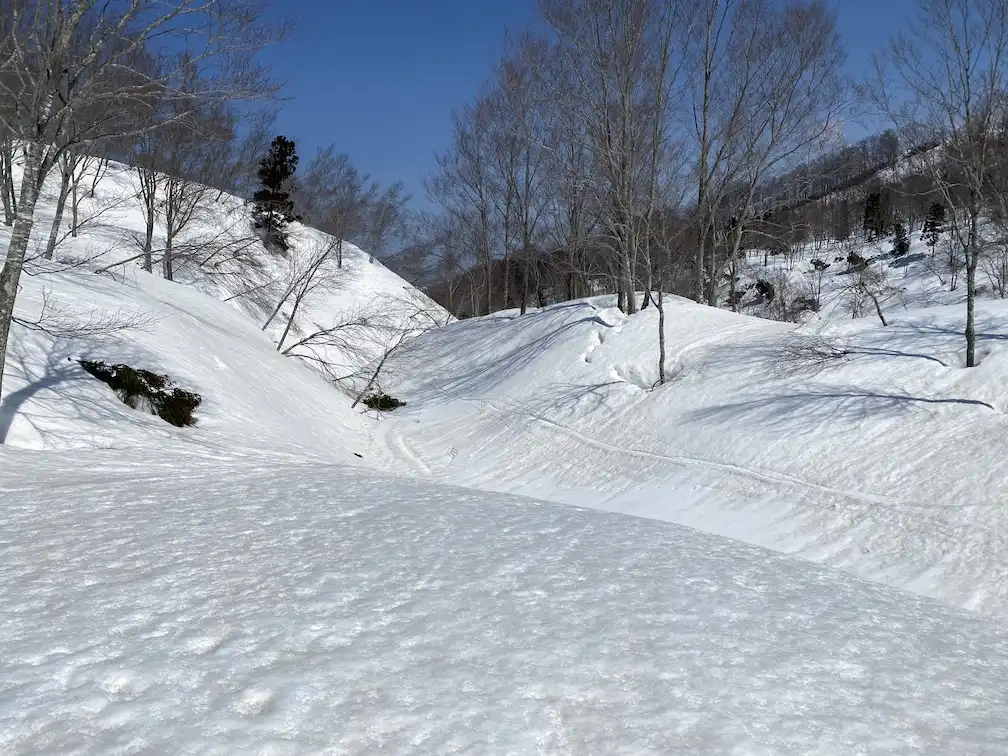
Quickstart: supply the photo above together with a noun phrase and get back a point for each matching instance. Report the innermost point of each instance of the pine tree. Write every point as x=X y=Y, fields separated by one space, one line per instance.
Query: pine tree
x=934 y=223
x=901 y=241
x=273 y=208
x=874 y=215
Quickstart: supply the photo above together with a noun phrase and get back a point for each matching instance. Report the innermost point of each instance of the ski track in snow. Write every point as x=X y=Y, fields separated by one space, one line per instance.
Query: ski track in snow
x=568 y=431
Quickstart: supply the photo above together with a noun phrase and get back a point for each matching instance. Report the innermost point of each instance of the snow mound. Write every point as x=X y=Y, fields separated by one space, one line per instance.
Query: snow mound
x=867 y=448
x=304 y=608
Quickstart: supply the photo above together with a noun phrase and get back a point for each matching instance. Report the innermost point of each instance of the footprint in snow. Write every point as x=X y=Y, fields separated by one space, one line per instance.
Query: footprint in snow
x=253 y=702
x=123 y=683
x=205 y=644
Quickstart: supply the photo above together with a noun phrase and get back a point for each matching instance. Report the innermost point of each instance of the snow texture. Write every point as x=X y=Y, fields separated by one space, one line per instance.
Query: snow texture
x=237 y=608
x=886 y=461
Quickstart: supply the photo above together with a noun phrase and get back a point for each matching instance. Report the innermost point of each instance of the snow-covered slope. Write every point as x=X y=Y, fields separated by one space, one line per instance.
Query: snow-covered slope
x=306 y=608
x=886 y=460
x=254 y=399
x=205 y=330
x=248 y=585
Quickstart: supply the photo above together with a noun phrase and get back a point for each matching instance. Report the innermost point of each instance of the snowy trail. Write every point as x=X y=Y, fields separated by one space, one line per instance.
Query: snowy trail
x=248 y=606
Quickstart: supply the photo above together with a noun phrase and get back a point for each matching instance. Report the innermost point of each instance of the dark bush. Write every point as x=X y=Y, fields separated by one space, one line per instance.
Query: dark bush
x=901 y=241
x=855 y=261
x=382 y=402
x=820 y=265
x=147 y=391
x=766 y=290
x=804 y=304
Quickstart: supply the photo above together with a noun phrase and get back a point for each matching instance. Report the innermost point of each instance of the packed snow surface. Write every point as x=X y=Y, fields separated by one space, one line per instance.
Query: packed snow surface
x=240 y=606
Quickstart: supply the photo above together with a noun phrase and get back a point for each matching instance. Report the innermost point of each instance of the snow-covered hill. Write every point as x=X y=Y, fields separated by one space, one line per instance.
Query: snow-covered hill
x=261 y=583
x=205 y=330
x=867 y=448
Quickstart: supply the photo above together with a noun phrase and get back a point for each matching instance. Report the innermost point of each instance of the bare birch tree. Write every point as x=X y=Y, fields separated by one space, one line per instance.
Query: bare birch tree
x=50 y=78
x=944 y=82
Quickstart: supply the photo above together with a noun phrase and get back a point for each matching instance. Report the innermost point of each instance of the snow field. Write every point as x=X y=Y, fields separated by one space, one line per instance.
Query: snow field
x=285 y=608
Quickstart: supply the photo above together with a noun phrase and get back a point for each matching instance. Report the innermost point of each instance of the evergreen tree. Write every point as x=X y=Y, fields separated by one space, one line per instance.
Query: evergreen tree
x=874 y=215
x=273 y=208
x=901 y=241
x=934 y=223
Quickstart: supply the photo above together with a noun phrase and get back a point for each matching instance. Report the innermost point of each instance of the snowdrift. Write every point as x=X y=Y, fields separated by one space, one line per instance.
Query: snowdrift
x=867 y=448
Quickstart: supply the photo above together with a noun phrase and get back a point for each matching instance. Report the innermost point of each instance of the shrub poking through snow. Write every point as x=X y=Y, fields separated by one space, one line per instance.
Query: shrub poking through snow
x=148 y=392
x=855 y=261
x=382 y=402
x=765 y=289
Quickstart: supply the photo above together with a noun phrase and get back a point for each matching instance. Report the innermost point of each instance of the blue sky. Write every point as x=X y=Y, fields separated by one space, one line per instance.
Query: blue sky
x=379 y=78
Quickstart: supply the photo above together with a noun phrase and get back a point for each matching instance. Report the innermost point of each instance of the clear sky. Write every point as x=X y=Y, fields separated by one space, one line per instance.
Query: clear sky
x=379 y=78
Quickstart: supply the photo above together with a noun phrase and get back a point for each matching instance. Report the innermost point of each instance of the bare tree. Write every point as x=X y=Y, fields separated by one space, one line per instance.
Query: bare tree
x=519 y=153
x=619 y=59
x=309 y=271
x=463 y=185
x=794 y=108
x=51 y=77
x=385 y=218
x=943 y=82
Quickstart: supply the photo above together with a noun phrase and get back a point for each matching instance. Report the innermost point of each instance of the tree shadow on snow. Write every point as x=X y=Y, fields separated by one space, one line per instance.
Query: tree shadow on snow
x=58 y=370
x=828 y=404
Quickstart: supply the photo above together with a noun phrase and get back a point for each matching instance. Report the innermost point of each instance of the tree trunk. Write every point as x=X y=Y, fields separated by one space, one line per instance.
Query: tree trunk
x=10 y=275
x=74 y=207
x=290 y=321
x=64 y=192
x=661 y=336
x=972 y=254
x=701 y=258
x=148 y=263
x=524 y=292
x=6 y=186
x=169 y=270
x=712 y=284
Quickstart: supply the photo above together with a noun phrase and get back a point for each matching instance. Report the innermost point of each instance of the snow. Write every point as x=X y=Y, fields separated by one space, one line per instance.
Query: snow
x=887 y=463
x=192 y=606
x=516 y=561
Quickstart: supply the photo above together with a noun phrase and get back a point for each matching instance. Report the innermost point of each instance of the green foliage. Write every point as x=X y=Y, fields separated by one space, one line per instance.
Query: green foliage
x=272 y=206
x=382 y=402
x=934 y=224
x=143 y=389
x=876 y=214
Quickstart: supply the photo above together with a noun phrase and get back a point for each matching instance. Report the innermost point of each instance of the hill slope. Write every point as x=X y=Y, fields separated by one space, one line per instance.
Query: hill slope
x=210 y=329
x=865 y=447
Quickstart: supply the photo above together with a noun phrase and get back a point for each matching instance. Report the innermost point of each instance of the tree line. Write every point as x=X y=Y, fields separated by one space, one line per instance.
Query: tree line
x=635 y=146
